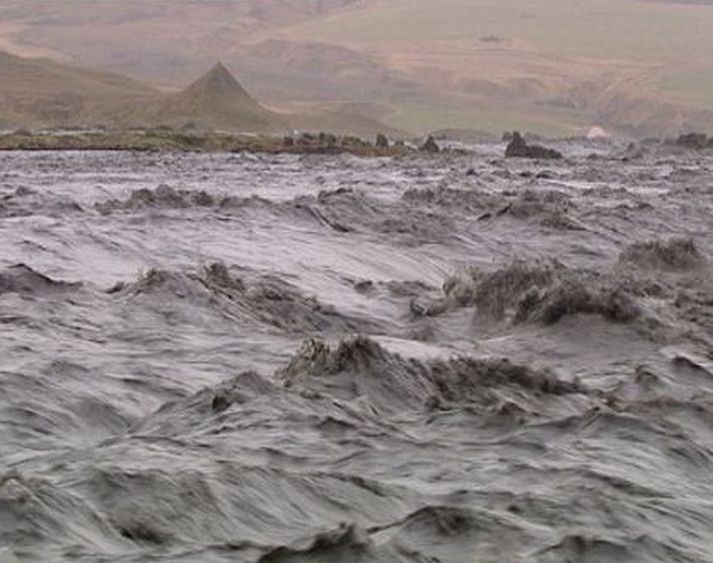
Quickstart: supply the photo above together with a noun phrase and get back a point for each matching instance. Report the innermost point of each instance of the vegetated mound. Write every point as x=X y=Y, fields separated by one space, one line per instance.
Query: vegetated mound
x=360 y=369
x=451 y=199
x=452 y=528
x=215 y=101
x=24 y=202
x=263 y=299
x=676 y=254
x=551 y=207
x=541 y=291
x=20 y=278
x=346 y=210
x=192 y=414
x=346 y=543
x=694 y=141
x=163 y=196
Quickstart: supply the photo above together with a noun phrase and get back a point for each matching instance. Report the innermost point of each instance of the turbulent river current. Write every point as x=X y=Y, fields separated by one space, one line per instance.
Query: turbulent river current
x=452 y=358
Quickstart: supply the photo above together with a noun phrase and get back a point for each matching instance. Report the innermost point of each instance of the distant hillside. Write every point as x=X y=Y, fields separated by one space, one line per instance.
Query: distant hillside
x=555 y=66
x=214 y=101
x=39 y=92
x=162 y=41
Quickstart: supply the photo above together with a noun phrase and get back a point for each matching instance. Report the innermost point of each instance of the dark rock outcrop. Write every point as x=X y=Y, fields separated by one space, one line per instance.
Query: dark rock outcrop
x=430 y=145
x=519 y=148
x=693 y=141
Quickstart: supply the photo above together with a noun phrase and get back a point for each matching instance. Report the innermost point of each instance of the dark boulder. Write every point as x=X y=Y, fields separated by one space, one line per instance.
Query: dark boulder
x=692 y=141
x=381 y=141
x=633 y=152
x=538 y=151
x=519 y=148
x=430 y=145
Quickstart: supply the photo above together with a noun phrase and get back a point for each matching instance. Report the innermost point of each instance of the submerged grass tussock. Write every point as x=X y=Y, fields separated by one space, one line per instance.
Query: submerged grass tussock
x=541 y=291
x=677 y=253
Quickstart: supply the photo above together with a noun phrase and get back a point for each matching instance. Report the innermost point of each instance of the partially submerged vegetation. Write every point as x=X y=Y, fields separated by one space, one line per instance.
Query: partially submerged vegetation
x=193 y=139
x=168 y=139
x=673 y=254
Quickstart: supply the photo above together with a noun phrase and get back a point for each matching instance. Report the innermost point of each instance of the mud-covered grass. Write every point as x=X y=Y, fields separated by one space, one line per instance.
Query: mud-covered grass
x=676 y=254
x=166 y=139
x=542 y=291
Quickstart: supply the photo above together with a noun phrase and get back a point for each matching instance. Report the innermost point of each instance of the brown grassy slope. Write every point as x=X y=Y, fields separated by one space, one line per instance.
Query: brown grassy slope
x=39 y=92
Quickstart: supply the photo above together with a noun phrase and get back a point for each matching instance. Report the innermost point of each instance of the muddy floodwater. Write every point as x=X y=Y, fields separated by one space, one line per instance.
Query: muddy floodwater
x=450 y=358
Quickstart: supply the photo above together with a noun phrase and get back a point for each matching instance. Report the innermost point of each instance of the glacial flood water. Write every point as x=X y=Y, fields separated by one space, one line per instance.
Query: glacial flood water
x=456 y=358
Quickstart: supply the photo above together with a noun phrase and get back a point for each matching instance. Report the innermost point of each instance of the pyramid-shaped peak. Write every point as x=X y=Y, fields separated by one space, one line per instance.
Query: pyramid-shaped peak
x=219 y=70
x=218 y=81
x=219 y=76
x=217 y=100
